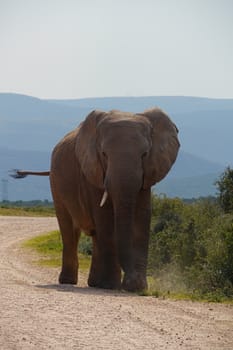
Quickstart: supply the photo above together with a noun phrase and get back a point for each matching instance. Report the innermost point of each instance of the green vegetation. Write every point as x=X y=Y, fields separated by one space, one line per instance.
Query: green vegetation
x=49 y=246
x=30 y=208
x=36 y=211
x=27 y=204
x=191 y=249
x=225 y=189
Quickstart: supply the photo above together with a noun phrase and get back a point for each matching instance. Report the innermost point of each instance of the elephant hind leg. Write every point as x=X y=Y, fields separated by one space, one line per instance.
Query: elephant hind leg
x=70 y=237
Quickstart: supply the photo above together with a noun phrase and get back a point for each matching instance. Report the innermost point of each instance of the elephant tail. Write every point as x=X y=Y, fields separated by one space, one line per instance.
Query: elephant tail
x=20 y=174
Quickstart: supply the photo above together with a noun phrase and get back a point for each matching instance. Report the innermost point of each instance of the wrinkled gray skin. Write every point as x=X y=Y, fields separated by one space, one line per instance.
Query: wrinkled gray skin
x=123 y=154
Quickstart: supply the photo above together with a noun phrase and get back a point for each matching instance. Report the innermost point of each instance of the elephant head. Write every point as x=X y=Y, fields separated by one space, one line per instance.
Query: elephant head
x=123 y=155
x=148 y=139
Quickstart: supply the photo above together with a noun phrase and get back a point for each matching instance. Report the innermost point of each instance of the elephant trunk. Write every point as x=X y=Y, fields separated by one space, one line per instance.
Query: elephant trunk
x=124 y=203
x=131 y=251
x=124 y=213
x=123 y=187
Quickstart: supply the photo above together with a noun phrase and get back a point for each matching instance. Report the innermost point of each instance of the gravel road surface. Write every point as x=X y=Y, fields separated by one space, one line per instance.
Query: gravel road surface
x=37 y=313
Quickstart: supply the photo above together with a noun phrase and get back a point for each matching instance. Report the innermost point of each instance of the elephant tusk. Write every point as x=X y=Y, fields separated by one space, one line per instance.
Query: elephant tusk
x=104 y=198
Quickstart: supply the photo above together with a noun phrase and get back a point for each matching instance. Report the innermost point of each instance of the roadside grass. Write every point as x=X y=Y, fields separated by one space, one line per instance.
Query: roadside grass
x=155 y=290
x=49 y=248
x=27 y=211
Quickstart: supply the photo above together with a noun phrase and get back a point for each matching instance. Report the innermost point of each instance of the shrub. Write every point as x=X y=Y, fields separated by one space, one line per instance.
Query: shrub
x=225 y=190
x=191 y=246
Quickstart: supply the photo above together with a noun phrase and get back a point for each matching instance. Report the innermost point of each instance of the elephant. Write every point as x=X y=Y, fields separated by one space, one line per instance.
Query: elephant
x=101 y=176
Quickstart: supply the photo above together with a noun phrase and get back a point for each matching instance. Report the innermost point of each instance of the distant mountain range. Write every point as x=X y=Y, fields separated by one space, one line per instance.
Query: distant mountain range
x=30 y=127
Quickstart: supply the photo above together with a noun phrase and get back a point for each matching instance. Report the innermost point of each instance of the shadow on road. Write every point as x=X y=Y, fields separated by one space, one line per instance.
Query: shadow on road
x=69 y=288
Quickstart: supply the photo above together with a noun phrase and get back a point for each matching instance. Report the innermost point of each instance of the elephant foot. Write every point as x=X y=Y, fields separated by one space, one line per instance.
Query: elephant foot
x=67 y=279
x=134 y=282
x=104 y=283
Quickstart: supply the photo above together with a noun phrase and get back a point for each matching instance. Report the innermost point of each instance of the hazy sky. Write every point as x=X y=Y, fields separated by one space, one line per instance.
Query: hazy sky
x=87 y=48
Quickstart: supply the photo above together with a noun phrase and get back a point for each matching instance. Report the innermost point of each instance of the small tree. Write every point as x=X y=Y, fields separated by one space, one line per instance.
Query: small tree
x=225 y=189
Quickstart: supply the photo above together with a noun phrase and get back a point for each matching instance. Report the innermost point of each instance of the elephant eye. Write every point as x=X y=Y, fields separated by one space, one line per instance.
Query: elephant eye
x=104 y=155
x=145 y=154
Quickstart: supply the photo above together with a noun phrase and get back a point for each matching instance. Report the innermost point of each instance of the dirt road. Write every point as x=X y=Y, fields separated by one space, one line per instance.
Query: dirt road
x=37 y=313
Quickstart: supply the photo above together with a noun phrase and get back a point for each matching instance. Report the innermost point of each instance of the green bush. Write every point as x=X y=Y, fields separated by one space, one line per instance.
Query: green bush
x=191 y=247
x=85 y=245
x=225 y=190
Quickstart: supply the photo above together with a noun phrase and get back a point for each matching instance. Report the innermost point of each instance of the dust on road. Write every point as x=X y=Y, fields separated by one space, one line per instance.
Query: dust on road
x=37 y=313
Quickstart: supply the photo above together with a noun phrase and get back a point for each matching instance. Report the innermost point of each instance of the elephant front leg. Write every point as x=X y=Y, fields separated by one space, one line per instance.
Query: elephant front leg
x=105 y=270
x=70 y=238
x=69 y=272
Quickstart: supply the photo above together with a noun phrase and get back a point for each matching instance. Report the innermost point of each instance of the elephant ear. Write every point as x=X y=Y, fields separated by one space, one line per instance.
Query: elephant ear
x=165 y=146
x=86 y=149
